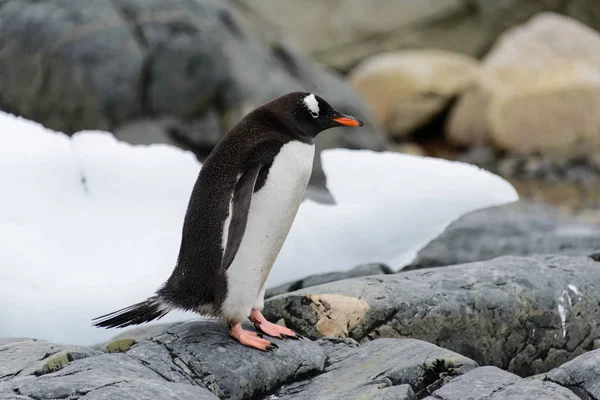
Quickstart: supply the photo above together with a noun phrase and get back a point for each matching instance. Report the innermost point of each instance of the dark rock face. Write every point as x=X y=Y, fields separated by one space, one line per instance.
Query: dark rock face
x=516 y=229
x=187 y=68
x=380 y=369
x=526 y=315
x=491 y=383
x=313 y=280
x=198 y=360
x=581 y=375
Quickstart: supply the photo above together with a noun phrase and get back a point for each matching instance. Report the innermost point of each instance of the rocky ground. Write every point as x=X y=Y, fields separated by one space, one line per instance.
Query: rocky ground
x=198 y=360
x=491 y=326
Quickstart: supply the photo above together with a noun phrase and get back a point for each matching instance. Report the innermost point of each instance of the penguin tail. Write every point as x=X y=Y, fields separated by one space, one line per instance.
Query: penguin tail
x=145 y=311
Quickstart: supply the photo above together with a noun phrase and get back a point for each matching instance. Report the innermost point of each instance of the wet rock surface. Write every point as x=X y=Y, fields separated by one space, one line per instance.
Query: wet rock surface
x=380 y=368
x=516 y=229
x=313 y=280
x=494 y=384
x=198 y=360
x=581 y=375
x=526 y=315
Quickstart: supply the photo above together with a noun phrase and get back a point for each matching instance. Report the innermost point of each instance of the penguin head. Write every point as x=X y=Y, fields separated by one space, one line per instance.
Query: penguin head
x=310 y=113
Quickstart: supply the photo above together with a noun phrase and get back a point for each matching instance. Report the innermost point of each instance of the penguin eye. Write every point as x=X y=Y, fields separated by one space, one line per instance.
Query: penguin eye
x=314 y=114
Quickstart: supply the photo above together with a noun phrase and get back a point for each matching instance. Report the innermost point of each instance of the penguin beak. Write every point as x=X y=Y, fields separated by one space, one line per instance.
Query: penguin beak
x=346 y=120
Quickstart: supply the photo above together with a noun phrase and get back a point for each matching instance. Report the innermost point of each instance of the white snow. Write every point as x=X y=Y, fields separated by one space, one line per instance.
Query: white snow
x=574 y=289
x=312 y=104
x=562 y=312
x=89 y=224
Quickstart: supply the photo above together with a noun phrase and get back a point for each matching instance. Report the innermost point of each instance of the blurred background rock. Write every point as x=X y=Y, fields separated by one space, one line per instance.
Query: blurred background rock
x=511 y=86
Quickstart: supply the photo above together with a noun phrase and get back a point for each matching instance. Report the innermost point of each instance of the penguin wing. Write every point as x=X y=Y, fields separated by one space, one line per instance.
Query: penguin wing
x=242 y=196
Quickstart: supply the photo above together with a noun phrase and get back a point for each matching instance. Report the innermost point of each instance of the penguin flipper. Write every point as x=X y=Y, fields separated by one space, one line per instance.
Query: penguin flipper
x=242 y=196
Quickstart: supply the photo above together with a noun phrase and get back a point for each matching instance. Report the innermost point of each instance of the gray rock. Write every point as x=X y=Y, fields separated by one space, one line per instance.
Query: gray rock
x=516 y=229
x=208 y=356
x=117 y=375
x=22 y=357
x=380 y=369
x=313 y=280
x=194 y=360
x=74 y=66
x=491 y=383
x=581 y=375
x=198 y=360
x=523 y=314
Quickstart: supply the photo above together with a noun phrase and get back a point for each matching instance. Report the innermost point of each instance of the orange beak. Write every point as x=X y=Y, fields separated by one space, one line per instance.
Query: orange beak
x=347 y=120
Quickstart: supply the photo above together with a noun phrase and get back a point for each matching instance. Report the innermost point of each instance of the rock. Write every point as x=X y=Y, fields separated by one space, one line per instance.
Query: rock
x=381 y=369
x=537 y=91
x=491 y=383
x=189 y=68
x=581 y=375
x=198 y=360
x=199 y=135
x=345 y=32
x=194 y=360
x=313 y=280
x=516 y=229
x=104 y=376
x=523 y=314
x=142 y=332
x=411 y=148
x=22 y=357
x=408 y=89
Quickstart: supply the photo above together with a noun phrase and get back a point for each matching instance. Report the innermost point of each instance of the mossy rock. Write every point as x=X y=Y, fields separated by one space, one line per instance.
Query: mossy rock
x=54 y=364
x=119 y=346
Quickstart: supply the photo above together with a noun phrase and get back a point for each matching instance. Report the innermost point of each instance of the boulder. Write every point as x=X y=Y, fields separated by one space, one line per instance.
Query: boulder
x=195 y=360
x=381 y=369
x=313 y=280
x=189 y=69
x=345 y=32
x=526 y=315
x=518 y=229
x=581 y=375
x=198 y=360
x=538 y=91
x=408 y=89
x=492 y=383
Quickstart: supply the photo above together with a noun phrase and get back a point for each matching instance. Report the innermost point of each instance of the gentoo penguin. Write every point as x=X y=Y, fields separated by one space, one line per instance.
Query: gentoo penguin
x=240 y=211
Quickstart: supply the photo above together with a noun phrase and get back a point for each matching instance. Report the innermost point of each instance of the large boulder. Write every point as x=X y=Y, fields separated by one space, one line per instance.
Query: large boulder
x=491 y=383
x=538 y=91
x=581 y=375
x=198 y=360
x=183 y=70
x=523 y=314
x=518 y=229
x=345 y=32
x=408 y=89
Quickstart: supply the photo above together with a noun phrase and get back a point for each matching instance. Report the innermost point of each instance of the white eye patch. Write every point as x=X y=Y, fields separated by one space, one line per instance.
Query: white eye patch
x=312 y=104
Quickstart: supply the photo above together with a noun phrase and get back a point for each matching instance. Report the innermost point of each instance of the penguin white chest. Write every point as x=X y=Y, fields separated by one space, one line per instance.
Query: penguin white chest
x=272 y=211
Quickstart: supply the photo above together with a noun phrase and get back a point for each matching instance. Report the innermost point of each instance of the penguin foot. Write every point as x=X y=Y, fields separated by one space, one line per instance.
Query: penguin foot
x=250 y=339
x=269 y=328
